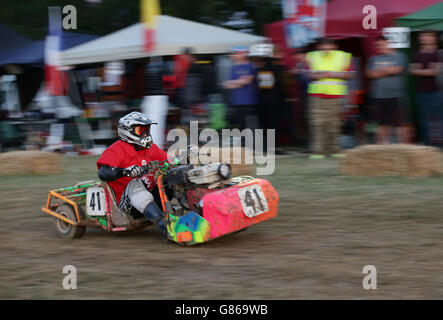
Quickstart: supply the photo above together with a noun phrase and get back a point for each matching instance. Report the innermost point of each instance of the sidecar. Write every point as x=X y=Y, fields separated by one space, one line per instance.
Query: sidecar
x=238 y=205
x=88 y=204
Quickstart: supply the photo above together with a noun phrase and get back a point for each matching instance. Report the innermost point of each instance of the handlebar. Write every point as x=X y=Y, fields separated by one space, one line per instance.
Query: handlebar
x=190 y=152
x=145 y=170
x=154 y=165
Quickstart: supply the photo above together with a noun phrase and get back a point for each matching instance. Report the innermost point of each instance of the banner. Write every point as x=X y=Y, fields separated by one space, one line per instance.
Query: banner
x=399 y=37
x=113 y=72
x=304 y=21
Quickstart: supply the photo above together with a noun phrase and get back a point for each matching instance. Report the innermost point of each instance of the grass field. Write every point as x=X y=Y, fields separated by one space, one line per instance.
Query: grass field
x=328 y=228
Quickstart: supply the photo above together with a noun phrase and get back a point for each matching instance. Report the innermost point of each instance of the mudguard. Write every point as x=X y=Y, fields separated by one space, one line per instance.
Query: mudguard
x=240 y=206
x=226 y=211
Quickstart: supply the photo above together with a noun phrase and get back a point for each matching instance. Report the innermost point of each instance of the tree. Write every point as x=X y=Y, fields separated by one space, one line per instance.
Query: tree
x=30 y=18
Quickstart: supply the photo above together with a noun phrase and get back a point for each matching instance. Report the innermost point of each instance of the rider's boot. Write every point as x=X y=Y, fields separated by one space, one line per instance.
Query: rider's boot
x=153 y=213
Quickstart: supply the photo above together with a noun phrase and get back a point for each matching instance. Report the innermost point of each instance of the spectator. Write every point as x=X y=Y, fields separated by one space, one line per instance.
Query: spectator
x=387 y=70
x=189 y=84
x=270 y=89
x=425 y=66
x=181 y=65
x=243 y=87
x=301 y=74
x=154 y=72
x=192 y=91
x=300 y=68
x=329 y=70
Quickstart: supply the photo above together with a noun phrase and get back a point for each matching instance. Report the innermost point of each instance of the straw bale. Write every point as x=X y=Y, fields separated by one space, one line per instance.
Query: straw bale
x=29 y=162
x=237 y=159
x=393 y=160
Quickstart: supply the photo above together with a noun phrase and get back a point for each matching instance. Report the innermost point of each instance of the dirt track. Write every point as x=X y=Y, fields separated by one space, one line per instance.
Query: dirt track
x=328 y=228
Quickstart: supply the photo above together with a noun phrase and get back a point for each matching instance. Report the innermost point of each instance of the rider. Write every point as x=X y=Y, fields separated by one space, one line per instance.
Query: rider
x=121 y=166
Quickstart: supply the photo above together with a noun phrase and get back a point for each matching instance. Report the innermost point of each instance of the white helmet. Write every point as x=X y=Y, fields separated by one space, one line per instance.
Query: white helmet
x=127 y=125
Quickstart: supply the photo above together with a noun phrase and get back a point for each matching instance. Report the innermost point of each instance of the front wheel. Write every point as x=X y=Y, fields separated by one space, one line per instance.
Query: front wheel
x=66 y=230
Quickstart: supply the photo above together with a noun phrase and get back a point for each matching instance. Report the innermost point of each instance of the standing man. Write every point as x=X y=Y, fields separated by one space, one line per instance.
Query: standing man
x=386 y=70
x=182 y=63
x=191 y=94
x=301 y=74
x=271 y=92
x=425 y=66
x=329 y=69
x=243 y=87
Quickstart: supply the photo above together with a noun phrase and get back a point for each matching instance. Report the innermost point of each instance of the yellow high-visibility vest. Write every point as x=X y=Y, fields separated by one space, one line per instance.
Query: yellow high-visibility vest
x=334 y=61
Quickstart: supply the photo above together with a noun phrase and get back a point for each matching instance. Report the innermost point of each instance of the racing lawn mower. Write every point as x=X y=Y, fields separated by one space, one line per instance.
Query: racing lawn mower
x=200 y=204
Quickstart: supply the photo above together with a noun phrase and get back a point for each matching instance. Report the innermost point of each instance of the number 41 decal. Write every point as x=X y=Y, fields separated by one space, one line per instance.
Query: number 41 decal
x=253 y=200
x=95 y=201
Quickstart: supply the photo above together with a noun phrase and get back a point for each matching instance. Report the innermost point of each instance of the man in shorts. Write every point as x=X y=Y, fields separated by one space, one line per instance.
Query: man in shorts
x=387 y=72
x=425 y=66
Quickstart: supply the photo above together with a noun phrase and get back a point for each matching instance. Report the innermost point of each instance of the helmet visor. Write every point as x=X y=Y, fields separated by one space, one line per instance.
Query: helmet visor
x=142 y=131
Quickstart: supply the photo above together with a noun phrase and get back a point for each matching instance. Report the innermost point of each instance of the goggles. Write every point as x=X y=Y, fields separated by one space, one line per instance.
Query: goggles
x=142 y=130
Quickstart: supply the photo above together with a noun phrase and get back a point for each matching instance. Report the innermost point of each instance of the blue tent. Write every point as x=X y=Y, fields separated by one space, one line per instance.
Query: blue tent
x=33 y=52
x=10 y=39
x=30 y=55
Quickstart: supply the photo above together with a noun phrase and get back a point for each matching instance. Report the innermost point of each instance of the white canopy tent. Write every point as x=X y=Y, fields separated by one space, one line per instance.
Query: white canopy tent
x=172 y=35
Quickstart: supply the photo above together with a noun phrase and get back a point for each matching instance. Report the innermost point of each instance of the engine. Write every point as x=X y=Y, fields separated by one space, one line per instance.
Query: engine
x=211 y=174
x=190 y=184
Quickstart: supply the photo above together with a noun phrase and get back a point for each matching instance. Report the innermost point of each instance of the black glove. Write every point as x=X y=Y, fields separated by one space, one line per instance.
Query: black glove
x=106 y=173
x=133 y=171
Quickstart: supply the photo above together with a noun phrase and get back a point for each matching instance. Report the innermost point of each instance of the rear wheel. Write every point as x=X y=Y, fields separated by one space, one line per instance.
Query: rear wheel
x=66 y=230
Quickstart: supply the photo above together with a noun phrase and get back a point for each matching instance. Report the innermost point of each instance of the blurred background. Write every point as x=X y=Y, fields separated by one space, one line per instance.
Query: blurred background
x=93 y=92
x=101 y=67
